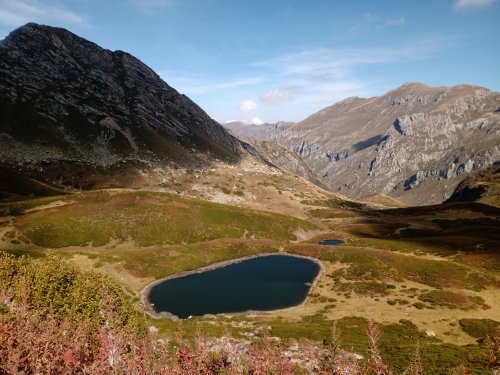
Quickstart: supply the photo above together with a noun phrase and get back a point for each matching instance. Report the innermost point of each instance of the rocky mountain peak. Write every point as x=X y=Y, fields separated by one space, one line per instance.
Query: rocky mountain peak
x=65 y=100
x=414 y=143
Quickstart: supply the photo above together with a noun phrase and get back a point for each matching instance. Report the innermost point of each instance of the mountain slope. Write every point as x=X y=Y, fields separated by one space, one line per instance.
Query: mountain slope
x=70 y=110
x=414 y=143
x=280 y=157
x=264 y=132
x=479 y=186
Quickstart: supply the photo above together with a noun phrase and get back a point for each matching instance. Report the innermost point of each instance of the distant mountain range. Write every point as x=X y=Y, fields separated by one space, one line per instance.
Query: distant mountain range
x=415 y=143
x=73 y=113
x=264 y=132
x=77 y=115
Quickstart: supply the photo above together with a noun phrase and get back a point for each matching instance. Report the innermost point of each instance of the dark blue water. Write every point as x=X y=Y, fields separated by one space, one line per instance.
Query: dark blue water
x=331 y=242
x=263 y=283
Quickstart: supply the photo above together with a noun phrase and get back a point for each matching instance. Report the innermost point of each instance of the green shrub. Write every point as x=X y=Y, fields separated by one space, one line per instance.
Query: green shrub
x=450 y=299
x=479 y=328
x=419 y=305
x=59 y=290
x=150 y=219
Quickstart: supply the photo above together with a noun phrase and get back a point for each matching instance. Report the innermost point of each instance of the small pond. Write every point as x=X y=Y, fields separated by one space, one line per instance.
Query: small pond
x=257 y=284
x=331 y=242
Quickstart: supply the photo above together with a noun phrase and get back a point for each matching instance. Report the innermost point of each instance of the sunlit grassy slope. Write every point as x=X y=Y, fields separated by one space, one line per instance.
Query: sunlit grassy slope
x=150 y=219
x=412 y=269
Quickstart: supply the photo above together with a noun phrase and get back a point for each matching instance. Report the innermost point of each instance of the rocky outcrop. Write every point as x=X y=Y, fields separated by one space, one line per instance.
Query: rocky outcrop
x=264 y=132
x=278 y=156
x=68 y=106
x=415 y=143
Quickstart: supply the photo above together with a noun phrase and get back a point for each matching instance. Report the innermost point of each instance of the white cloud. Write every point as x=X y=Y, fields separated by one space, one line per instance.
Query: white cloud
x=315 y=78
x=19 y=12
x=463 y=4
x=279 y=96
x=190 y=85
x=370 y=21
x=256 y=121
x=327 y=64
x=247 y=105
x=394 y=22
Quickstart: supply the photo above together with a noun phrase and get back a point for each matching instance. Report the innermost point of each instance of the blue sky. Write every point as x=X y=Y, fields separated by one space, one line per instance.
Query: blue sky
x=270 y=60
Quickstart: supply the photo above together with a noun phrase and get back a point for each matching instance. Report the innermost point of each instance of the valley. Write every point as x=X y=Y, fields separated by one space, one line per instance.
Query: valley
x=112 y=181
x=435 y=267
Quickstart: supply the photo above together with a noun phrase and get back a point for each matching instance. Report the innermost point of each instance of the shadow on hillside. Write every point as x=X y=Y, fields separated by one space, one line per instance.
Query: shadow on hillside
x=465 y=227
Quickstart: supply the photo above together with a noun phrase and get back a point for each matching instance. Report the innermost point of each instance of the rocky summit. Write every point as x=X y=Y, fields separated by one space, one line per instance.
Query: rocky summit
x=71 y=111
x=415 y=143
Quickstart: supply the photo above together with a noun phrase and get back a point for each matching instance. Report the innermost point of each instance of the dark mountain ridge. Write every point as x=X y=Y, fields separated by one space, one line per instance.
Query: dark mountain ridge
x=71 y=110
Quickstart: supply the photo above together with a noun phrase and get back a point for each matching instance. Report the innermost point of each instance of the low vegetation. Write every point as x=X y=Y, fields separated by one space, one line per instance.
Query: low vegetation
x=334 y=203
x=58 y=290
x=137 y=236
x=150 y=219
x=480 y=328
x=44 y=326
x=374 y=264
x=451 y=299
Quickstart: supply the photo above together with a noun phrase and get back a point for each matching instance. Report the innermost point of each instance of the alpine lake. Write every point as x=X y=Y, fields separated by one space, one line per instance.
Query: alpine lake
x=261 y=283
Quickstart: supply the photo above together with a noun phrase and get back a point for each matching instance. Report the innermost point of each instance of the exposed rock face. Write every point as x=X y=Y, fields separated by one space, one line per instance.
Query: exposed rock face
x=415 y=143
x=264 y=132
x=274 y=154
x=68 y=106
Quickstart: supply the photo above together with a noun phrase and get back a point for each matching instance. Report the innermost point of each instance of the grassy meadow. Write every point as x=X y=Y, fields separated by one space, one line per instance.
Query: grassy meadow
x=428 y=276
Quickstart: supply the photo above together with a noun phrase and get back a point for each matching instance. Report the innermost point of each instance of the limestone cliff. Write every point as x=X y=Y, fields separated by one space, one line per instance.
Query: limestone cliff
x=415 y=143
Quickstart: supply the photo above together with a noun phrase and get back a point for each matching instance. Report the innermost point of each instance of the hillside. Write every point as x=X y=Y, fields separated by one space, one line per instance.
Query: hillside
x=415 y=143
x=264 y=132
x=111 y=181
x=479 y=186
x=75 y=114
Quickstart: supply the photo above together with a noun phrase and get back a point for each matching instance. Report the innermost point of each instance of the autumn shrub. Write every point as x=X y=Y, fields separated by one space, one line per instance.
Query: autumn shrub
x=56 y=289
x=56 y=319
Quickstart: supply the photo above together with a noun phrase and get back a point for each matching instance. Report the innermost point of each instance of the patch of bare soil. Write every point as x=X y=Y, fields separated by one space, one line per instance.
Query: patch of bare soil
x=248 y=184
x=53 y=204
x=10 y=237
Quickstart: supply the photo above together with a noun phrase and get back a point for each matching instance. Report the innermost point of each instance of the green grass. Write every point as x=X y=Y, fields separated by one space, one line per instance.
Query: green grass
x=397 y=343
x=404 y=245
x=365 y=288
x=211 y=327
x=159 y=262
x=373 y=264
x=150 y=219
x=18 y=207
x=331 y=213
x=443 y=230
x=334 y=203
x=480 y=328
x=450 y=299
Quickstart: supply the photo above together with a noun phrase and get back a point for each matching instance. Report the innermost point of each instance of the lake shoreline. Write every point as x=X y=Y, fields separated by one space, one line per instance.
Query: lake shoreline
x=148 y=307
